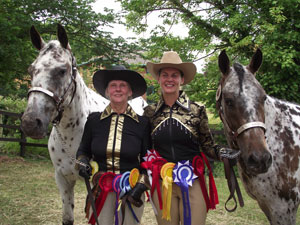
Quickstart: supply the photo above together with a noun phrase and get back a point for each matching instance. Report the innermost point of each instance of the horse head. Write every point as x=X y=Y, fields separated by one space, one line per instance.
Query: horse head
x=240 y=101
x=53 y=83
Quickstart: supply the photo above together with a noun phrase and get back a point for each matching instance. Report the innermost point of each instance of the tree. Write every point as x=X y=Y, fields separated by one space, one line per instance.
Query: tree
x=239 y=26
x=85 y=28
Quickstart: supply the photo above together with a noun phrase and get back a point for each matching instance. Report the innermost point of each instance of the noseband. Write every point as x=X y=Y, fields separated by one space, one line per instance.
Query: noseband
x=234 y=134
x=58 y=100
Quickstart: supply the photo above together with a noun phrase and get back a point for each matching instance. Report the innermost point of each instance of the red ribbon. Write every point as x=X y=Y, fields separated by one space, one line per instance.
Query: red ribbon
x=156 y=165
x=199 y=169
x=105 y=183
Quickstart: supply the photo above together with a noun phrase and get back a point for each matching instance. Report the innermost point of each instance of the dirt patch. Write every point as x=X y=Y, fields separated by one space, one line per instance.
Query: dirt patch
x=7 y=159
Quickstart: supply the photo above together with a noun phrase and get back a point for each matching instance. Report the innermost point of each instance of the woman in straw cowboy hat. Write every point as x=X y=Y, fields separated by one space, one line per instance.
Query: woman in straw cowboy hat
x=180 y=135
x=116 y=139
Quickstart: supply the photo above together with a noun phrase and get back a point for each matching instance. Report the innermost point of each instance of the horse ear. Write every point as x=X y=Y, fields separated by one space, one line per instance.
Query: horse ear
x=255 y=61
x=36 y=38
x=224 y=63
x=62 y=36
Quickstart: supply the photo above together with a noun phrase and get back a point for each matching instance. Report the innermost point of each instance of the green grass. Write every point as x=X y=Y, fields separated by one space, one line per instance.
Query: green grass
x=29 y=195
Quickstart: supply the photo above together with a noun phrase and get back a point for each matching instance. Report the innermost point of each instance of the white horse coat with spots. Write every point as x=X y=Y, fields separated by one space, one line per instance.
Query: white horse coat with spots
x=269 y=162
x=52 y=74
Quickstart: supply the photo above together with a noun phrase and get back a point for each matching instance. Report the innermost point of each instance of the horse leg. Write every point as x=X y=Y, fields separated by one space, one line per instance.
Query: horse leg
x=66 y=189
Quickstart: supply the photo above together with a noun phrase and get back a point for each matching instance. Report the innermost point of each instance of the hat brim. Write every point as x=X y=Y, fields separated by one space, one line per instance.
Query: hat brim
x=188 y=69
x=137 y=83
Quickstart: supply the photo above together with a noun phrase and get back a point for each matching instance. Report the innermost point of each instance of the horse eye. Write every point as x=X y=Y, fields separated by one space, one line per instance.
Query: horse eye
x=62 y=72
x=229 y=102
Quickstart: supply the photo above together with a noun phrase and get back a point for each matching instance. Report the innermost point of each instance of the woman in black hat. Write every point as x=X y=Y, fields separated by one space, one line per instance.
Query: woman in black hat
x=116 y=139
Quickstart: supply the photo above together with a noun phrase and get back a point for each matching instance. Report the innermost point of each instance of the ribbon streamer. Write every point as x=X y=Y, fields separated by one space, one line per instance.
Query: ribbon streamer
x=155 y=168
x=148 y=158
x=213 y=194
x=105 y=183
x=183 y=176
x=116 y=189
x=166 y=175
x=125 y=187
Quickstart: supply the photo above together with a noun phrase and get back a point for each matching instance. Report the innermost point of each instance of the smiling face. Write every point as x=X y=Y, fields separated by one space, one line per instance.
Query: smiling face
x=118 y=91
x=170 y=80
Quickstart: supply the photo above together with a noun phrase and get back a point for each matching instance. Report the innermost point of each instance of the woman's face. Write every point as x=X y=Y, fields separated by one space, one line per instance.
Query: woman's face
x=118 y=91
x=170 y=80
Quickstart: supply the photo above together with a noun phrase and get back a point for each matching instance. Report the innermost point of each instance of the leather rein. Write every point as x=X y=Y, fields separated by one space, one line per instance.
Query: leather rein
x=232 y=182
x=59 y=100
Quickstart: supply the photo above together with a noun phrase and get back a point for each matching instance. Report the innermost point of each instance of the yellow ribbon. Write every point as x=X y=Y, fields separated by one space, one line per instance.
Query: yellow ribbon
x=95 y=168
x=167 y=180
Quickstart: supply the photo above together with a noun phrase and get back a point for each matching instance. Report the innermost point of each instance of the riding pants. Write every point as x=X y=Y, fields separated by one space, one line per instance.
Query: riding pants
x=197 y=205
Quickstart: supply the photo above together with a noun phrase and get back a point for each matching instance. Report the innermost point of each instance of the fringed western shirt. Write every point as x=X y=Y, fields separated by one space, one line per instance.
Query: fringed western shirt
x=180 y=132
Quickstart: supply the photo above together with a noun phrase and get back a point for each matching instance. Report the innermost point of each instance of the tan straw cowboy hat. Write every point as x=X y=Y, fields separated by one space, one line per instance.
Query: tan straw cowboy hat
x=171 y=59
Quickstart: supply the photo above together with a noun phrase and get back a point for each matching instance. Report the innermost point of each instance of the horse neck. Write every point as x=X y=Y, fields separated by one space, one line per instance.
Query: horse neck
x=281 y=112
x=84 y=102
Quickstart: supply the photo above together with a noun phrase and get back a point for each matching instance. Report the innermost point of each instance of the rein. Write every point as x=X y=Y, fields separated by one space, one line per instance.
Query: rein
x=58 y=100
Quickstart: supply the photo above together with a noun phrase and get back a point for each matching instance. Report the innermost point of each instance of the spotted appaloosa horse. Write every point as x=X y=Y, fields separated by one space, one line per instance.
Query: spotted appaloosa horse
x=267 y=131
x=59 y=94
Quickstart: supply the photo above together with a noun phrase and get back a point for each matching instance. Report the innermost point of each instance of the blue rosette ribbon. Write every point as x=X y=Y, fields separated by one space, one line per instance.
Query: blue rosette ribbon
x=124 y=184
x=183 y=176
x=125 y=188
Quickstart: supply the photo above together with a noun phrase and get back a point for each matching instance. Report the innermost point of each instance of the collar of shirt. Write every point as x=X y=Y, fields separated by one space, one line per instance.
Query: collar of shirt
x=108 y=111
x=183 y=101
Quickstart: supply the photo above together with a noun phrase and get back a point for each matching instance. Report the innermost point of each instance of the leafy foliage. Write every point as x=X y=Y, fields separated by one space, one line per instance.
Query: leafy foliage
x=85 y=28
x=239 y=26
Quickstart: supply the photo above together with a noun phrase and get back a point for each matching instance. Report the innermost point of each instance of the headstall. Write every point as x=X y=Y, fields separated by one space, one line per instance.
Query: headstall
x=58 y=100
x=242 y=128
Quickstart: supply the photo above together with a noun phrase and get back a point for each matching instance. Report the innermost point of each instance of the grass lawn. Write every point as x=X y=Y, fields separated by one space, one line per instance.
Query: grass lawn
x=28 y=195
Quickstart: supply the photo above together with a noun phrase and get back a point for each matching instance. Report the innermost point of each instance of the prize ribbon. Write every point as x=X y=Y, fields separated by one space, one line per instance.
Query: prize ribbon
x=124 y=184
x=95 y=168
x=133 y=177
x=183 y=176
x=116 y=189
x=198 y=165
x=155 y=168
x=148 y=158
x=166 y=175
x=125 y=187
x=105 y=183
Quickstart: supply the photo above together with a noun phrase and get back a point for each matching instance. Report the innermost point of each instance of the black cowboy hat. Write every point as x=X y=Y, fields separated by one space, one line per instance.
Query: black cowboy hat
x=102 y=77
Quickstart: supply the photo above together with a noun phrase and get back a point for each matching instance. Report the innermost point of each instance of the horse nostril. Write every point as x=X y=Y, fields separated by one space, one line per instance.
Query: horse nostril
x=39 y=123
x=260 y=162
x=269 y=160
x=252 y=160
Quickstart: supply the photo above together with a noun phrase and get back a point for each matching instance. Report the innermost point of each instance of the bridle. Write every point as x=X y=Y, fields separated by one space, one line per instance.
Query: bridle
x=234 y=134
x=59 y=100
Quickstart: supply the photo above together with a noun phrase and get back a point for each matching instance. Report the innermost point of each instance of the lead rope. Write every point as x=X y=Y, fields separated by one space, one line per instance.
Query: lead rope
x=73 y=159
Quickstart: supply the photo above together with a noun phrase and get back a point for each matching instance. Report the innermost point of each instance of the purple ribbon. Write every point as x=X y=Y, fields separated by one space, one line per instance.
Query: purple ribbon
x=183 y=176
x=125 y=187
x=116 y=188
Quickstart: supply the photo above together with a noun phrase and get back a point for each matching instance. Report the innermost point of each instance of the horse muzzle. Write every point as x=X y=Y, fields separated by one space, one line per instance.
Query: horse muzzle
x=34 y=125
x=257 y=162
